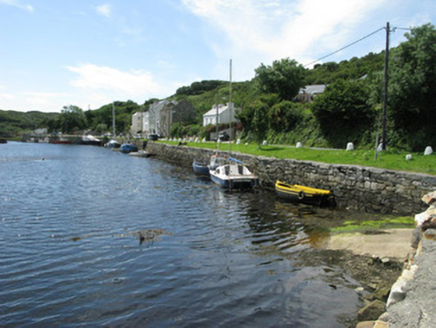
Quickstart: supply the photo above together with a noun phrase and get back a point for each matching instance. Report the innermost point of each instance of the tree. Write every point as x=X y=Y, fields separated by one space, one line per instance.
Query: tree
x=72 y=118
x=247 y=115
x=285 y=77
x=285 y=115
x=260 y=122
x=197 y=88
x=412 y=96
x=344 y=113
x=101 y=128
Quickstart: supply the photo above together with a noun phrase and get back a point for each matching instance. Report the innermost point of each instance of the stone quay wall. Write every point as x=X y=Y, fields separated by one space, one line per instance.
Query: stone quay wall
x=359 y=188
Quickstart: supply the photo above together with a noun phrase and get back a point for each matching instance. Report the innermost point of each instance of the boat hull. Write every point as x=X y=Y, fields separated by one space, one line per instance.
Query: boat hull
x=140 y=153
x=90 y=142
x=200 y=168
x=247 y=183
x=231 y=176
x=303 y=194
x=128 y=148
x=113 y=144
x=60 y=142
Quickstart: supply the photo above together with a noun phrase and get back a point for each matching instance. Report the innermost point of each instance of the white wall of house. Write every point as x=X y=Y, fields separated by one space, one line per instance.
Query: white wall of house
x=223 y=115
x=41 y=131
x=146 y=123
x=137 y=123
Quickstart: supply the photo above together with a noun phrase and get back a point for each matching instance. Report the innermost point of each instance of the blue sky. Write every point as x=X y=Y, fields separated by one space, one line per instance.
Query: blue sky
x=89 y=53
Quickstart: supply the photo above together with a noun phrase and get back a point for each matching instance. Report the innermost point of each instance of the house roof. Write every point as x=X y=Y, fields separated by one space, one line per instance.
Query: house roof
x=212 y=112
x=313 y=89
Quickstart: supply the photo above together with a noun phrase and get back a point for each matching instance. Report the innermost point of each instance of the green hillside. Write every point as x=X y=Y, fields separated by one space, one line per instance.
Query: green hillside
x=13 y=123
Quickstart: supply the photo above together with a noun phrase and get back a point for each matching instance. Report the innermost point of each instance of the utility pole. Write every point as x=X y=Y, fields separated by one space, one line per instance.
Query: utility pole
x=385 y=93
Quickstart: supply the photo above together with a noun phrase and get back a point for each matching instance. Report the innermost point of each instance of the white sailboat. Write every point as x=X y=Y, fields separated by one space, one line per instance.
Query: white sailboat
x=113 y=143
x=233 y=174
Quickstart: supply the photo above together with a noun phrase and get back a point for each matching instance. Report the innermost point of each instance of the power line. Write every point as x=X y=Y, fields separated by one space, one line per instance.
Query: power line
x=349 y=45
x=401 y=28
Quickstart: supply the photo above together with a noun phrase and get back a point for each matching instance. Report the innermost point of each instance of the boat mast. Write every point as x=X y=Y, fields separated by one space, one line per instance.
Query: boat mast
x=217 y=132
x=113 y=121
x=230 y=107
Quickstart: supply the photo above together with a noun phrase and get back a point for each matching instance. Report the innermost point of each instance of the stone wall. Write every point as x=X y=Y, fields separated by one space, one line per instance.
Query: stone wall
x=355 y=187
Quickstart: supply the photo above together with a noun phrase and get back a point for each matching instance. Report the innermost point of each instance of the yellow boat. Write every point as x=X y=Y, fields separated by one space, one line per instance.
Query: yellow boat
x=303 y=194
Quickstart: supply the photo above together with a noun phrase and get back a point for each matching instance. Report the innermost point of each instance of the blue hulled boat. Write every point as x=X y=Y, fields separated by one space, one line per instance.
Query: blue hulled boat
x=128 y=148
x=200 y=168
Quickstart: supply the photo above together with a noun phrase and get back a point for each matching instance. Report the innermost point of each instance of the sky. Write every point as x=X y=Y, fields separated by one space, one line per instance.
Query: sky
x=89 y=53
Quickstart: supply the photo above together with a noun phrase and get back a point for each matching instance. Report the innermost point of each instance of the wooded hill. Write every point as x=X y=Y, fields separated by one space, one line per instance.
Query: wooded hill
x=349 y=110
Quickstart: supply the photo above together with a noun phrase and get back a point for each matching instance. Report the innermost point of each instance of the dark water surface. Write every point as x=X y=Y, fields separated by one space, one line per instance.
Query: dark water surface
x=70 y=253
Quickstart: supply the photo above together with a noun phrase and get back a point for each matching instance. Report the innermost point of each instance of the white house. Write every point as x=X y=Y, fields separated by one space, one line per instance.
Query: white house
x=310 y=91
x=40 y=131
x=146 y=123
x=223 y=115
x=137 y=123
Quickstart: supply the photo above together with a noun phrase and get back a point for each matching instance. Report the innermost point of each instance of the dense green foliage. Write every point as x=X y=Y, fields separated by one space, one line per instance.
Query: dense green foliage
x=355 y=68
x=413 y=88
x=13 y=123
x=72 y=119
x=123 y=116
x=198 y=88
x=284 y=77
x=344 y=113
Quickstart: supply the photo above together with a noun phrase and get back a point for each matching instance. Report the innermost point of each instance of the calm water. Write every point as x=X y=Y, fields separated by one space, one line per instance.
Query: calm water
x=71 y=255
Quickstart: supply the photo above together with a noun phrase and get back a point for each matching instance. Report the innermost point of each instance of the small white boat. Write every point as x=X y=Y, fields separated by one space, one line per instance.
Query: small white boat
x=140 y=153
x=217 y=160
x=234 y=175
x=90 y=140
x=113 y=144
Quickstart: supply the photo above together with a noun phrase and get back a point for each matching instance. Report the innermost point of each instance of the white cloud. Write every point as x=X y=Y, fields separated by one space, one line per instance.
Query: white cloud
x=27 y=101
x=18 y=4
x=100 y=85
x=44 y=94
x=7 y=96
x=101 y=77
x=43 y=101
x=104 y=10
x=267 y=30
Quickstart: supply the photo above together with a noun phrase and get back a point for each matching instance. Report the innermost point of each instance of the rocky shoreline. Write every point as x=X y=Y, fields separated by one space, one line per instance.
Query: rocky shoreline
x=408 y=301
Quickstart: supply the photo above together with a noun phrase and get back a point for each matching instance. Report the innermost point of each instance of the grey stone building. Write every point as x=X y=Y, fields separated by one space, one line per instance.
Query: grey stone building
x=162 y=114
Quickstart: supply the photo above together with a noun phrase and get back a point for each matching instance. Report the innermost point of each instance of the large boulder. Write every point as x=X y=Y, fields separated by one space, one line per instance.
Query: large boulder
x=398 y=290
x=429 y=214
x=429 y=198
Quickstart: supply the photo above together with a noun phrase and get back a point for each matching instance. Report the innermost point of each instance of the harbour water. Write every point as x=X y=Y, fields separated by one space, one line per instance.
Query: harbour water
x=71 y=221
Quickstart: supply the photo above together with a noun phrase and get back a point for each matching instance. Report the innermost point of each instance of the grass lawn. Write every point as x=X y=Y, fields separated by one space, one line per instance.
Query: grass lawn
x=392 y=160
